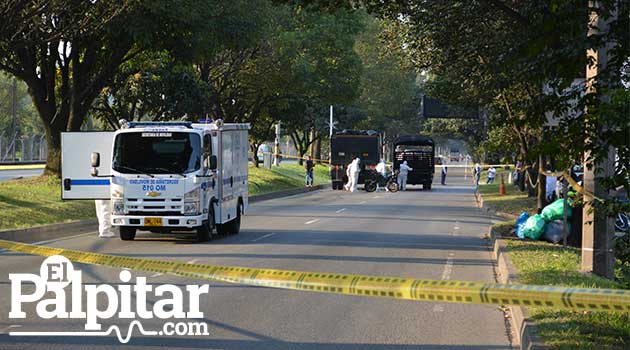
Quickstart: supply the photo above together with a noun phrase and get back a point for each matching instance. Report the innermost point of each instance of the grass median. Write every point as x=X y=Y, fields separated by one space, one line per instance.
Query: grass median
x=543 y=263
x=37 y=201
x=513 y=202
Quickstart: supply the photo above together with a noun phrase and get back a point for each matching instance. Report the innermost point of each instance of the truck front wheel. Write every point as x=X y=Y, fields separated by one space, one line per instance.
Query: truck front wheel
x=127 y=233
x=204 y=232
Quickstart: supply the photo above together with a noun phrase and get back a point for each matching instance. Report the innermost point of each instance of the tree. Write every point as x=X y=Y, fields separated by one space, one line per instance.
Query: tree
x=153 y=86
x=324 y=70
x=389 y=92
x=27 y=122
x=67 y=51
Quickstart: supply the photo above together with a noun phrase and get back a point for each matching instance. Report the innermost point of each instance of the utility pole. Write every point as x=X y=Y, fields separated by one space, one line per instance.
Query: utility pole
x=598 y=228
x=14 y=116
x=331 y=124
x=276 y=151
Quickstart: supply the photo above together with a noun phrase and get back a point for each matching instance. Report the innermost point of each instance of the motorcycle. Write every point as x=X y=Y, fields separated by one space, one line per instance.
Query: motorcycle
x=374 y=179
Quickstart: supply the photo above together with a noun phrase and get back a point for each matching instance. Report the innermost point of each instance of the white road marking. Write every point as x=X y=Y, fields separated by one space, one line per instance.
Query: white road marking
x=192 y=261
x=340 y=210
x=263 y=237
x=158 y=274
x=446 y=275
x=311 y=221
x=376 y=197
x=438 y=308
x=363 y=202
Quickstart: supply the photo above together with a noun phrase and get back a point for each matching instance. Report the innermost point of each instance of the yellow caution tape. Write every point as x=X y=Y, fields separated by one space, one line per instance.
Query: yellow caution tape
x=22 y=167
x=295 y=157
x=374 y=286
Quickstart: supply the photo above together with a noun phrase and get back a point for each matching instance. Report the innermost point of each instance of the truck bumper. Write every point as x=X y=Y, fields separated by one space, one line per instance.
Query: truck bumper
x=167 y=221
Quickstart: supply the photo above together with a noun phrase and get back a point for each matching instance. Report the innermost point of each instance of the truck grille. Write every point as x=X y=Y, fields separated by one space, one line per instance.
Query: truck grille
x=154 y=206
x=155 y=213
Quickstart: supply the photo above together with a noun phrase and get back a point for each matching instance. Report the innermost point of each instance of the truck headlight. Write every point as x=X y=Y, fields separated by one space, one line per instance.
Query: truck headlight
x=118 y=207
x=191 y=202
x=191 y=208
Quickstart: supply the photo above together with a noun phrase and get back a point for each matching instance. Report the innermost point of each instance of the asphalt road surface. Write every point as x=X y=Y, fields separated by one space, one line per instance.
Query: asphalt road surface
x=436 y=235
x=6 y=175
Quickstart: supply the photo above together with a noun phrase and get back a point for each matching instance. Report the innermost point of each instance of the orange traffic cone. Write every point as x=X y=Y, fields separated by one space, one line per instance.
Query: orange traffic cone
x=502 y=186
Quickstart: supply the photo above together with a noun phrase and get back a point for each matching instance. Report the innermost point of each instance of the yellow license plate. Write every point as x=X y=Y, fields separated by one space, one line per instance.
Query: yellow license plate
x=152 y=221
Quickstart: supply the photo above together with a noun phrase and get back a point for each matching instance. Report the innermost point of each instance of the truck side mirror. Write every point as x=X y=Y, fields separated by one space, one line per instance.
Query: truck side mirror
x=213 y=162
x=96 y=159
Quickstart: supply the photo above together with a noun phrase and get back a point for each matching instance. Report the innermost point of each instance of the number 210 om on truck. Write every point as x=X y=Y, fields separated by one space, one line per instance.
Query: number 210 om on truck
x=162 y=177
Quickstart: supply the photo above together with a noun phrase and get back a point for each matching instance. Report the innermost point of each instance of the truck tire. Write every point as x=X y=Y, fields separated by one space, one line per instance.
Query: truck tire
x=427 y=186
x=204 y=232
x=127 y=233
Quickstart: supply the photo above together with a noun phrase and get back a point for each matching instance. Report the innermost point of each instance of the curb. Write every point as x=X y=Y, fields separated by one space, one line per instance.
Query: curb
x=285 y=193
x=64 y=229
x=52 y=231
x=500 y=214
x=526 y=334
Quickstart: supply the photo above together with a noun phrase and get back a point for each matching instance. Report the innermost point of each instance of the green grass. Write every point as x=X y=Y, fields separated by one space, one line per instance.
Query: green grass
x=513 y=202
x=37 y=201
x=547 y=264
x=284 y=177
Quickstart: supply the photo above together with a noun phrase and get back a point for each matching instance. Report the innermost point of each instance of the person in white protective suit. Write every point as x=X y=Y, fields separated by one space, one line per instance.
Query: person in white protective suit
x=381 y=168
x=402 y=176
x=353 y=175
x=347 y=185
x=104 y=215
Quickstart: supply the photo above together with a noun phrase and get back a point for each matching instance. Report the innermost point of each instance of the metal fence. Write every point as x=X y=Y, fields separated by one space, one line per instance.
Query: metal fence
x=23 y=149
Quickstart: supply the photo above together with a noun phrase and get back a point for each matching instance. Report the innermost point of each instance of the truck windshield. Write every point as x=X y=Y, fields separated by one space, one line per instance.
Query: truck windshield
x=157 y=152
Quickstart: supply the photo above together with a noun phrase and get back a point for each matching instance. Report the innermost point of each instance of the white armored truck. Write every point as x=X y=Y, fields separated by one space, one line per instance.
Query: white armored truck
x=162 y=176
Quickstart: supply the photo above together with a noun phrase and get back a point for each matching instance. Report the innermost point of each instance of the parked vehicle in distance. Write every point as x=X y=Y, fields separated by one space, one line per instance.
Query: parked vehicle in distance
x=455 y=156
x=419 y=152
x=348 y=145
x=162 y=177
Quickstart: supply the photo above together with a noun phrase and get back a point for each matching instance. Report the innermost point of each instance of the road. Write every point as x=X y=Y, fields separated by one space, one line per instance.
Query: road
x=436 y=235
x=6 y=175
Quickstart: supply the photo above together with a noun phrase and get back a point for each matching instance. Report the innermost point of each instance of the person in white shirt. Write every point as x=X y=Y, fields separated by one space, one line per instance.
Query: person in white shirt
x=381 y=168
x=492 y=173
x=477 y=174
x=402 y=176
x=444 y=170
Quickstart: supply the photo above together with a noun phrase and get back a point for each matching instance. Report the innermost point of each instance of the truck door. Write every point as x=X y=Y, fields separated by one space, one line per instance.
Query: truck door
x=76 y=149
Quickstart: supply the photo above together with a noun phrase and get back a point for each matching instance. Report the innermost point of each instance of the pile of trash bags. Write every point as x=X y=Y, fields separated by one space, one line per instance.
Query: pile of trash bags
x=546 y=225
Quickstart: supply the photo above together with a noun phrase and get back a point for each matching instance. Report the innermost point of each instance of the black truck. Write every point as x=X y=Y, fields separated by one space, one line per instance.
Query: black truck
x=350 y=144
x=419 y=152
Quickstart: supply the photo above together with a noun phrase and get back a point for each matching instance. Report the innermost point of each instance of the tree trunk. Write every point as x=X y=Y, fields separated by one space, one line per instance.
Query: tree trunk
x=255 y=159
x=542 y=185
x=318 y=149
x=53 y=160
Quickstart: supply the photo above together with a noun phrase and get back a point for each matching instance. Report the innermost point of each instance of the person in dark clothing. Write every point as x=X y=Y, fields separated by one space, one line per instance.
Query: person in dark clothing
x=308 y=165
